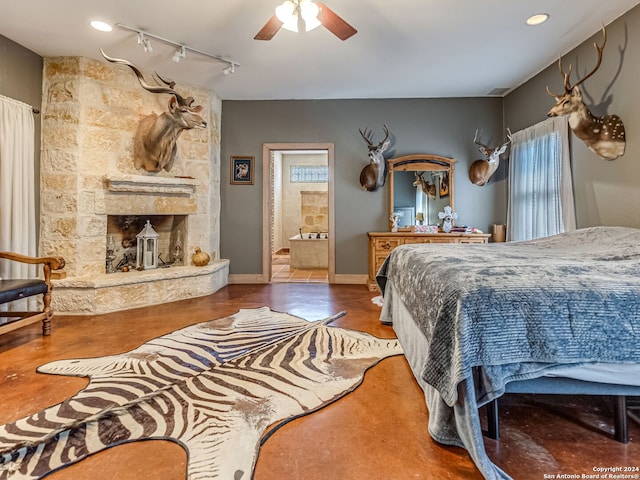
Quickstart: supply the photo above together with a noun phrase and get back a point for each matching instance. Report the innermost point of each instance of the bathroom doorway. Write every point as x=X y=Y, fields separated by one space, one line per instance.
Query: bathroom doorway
x=298 y=213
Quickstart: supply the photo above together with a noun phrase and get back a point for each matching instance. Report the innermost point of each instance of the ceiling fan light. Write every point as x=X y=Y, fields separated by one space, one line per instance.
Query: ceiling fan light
x=310 y=13
x=288 y=15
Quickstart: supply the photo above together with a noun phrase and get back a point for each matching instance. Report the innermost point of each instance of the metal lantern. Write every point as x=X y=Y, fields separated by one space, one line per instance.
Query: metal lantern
x=147 y=253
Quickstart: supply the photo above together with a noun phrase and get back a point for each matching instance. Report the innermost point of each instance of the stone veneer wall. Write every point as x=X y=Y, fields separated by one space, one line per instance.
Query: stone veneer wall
x=90 y=113
x=314 y=211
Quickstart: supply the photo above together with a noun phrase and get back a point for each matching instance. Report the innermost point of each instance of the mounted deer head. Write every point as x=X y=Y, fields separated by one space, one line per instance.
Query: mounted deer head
x=605 y=136
x=154 y=146
x=429 y=189
x=373 y=176
x=482 y=170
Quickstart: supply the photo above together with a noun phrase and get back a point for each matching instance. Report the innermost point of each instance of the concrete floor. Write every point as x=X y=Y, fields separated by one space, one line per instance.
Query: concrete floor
x=379 y=431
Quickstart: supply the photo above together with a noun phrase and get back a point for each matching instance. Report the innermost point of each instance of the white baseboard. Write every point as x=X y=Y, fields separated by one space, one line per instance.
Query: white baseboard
x=246 y=278
x=351 y=279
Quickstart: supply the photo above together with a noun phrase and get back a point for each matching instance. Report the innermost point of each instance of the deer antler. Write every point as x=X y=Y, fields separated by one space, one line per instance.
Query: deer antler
x=169 y=83
x=144 y=84
x=367 y=135
x=386 y=136
x=599 y=49
x=484 y=149
x=567 y=83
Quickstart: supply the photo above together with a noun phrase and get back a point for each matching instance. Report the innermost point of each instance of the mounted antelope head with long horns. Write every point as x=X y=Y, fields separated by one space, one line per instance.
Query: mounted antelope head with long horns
x=373 y=176
x=429 y=189
x=605 y=136
x=482 y=170
x=154 y=146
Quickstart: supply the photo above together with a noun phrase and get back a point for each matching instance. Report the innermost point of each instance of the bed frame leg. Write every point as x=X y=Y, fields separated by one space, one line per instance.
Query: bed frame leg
x=620 y=412
x=493 y=426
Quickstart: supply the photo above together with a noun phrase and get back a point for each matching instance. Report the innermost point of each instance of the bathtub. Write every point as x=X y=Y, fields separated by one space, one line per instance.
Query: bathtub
x=309 y=252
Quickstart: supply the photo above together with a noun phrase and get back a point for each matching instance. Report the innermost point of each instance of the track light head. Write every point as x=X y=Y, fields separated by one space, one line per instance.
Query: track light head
x=231 y=68
x=180 y=53
x=146 y=44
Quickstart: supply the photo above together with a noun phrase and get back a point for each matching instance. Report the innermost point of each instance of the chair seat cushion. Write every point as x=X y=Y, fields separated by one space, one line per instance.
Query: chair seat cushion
x=11 y=290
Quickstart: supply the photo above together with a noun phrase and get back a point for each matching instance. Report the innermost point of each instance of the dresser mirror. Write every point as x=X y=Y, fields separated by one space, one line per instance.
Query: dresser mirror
x=410 y=176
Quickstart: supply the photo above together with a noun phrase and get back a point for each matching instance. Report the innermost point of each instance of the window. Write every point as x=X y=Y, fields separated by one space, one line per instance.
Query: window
x=309 y=174
x=540 y=187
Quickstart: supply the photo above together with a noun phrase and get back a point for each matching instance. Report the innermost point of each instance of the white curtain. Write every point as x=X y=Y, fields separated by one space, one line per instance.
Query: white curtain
x=17 y=194
x=540 y=186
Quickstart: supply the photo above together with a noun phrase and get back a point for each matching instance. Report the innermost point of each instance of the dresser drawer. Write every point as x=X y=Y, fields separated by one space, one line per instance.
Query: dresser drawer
x=430 y=239
x=412 y=240
x=472 y=240
x=379 y=261
x=385 y=244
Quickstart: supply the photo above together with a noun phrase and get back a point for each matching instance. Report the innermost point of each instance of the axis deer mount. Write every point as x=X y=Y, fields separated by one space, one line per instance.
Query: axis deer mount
x=373 y=176
x=482 y=170
x=154 y=146
x=605 y=136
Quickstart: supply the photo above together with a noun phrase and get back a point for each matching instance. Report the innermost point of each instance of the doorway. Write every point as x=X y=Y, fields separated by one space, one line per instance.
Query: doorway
x=276 y=251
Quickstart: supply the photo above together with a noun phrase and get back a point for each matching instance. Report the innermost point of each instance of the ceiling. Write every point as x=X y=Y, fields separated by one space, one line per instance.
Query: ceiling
x=403 y=49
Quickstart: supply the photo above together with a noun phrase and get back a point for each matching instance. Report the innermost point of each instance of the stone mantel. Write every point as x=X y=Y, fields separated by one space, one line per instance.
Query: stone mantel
x=140 y=184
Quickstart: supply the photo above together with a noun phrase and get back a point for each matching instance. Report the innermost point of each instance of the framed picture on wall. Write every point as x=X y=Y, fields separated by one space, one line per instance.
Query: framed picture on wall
x=241 y=170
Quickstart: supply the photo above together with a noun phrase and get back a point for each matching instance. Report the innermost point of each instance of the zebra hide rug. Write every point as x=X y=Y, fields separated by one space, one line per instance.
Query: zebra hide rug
x=213 y=387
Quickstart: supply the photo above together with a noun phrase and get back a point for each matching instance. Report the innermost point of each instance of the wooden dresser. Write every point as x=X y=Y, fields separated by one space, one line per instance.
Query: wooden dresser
x=381 y=244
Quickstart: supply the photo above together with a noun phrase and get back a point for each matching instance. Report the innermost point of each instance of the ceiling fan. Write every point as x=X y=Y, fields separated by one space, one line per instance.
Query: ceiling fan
x=305 y=15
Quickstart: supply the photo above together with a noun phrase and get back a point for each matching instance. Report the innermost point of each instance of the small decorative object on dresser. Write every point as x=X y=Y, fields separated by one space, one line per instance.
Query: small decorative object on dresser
x=447 y=217
x=382 y=243
x=394 y=222
x=200 y=258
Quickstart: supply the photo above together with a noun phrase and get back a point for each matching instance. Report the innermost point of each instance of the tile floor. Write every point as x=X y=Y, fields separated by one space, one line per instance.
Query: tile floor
x=281 y=272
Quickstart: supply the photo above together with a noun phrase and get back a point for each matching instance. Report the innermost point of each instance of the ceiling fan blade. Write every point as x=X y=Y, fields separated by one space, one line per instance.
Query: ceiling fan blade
x=269 y=30
x=334 y=23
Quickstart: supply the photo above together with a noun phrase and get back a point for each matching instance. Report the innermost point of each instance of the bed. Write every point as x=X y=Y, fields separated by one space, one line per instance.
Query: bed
x=477 y=320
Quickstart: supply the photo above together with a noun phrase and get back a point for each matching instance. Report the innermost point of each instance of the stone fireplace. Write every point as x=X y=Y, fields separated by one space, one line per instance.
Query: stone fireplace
x=90 y=190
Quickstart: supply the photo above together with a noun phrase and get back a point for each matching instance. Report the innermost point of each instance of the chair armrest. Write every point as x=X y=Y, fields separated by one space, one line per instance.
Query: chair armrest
x=48 y=264
x=54 y=263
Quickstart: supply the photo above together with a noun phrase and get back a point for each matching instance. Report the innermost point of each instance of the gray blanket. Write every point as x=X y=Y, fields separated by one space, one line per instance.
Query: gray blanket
x=511 y=311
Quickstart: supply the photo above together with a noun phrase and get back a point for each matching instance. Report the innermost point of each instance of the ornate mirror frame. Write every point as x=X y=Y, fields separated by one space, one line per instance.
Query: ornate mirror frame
x=417 y=163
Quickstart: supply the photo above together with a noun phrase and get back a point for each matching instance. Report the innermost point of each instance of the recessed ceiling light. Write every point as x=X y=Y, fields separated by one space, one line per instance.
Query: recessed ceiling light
x=102 y=26
x=537 y=19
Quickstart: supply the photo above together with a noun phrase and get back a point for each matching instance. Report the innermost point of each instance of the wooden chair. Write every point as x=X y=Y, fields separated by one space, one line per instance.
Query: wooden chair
x=12 y=290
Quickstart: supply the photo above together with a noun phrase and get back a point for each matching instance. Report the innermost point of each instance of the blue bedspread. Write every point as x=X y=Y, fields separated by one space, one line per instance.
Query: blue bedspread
x=511 y=311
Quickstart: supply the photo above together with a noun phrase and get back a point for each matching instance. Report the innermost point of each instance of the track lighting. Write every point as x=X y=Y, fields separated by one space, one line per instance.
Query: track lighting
x=180 y=53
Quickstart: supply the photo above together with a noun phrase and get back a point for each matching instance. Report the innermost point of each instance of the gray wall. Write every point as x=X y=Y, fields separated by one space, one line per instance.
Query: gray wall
x=439 y=126
x=606 y=192
x=21 y=79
